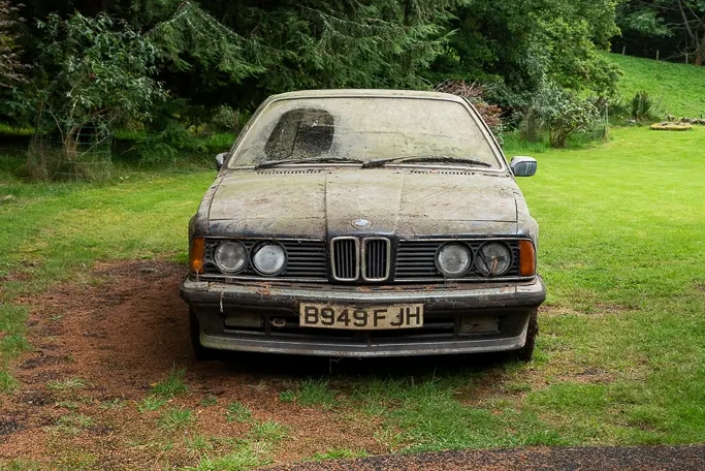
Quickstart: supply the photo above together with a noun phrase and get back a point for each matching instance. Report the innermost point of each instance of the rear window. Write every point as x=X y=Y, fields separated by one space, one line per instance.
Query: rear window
x=364 y=128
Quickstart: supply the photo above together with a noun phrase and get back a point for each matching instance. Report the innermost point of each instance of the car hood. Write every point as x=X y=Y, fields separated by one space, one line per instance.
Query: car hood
x=320 y=203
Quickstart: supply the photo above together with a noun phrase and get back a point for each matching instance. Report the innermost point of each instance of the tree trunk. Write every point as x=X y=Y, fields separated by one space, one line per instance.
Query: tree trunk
x=699 y=54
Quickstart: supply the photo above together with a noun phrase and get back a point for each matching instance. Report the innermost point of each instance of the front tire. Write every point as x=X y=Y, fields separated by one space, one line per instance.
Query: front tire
x=199 y=351
x=526 y=353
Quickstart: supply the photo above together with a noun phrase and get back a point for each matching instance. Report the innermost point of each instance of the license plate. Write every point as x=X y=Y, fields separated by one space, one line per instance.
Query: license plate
x=395 y=316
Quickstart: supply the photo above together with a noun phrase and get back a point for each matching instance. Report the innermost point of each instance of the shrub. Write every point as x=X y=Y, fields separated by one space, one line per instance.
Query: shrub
x=225 y=119
x=561 y=113
x=94 y=75
x=474 y=92
x=614 y=110
x=643 y=107
x=11 y=67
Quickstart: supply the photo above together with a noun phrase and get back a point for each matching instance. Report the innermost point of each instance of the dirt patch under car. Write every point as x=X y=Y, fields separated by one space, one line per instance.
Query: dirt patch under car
x=100 y=347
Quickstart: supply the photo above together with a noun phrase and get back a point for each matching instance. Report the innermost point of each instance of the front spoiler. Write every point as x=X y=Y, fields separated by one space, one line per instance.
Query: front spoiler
x=356 y=350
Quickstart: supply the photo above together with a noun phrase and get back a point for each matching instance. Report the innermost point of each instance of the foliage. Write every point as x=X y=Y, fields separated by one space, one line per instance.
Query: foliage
x=255 y=49
x=474 y=92
x=521 y=44
x=93 y=75
x=226 y=119
x=228 y=56
x=675 y=28
x=614 y=109
x=643 y=107
x=11 y=66
x=562 y=113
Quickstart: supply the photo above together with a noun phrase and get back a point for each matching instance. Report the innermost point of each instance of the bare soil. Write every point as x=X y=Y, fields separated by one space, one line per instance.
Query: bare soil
x=100 y=347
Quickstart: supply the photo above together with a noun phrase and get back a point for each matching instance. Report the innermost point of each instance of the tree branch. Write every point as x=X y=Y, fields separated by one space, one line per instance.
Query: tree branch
x=686 y=21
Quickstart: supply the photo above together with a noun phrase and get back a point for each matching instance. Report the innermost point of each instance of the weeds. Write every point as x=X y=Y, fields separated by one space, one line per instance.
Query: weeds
x=316 y=393
x=237 y=411
x=113 y=404
x=151 y=403
x=310 y=393
x=208 y=401
x=287 y=396
x=338 y=454
x=73 y=423
x=68 y=384
x=269 y=431
x=175 y=419
x=240 y=460
x=197 y=445
x=172 y=385
x=7 y=383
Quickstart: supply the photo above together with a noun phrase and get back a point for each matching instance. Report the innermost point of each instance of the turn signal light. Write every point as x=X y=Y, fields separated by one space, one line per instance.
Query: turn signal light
x=197 y=255
x=527 y=258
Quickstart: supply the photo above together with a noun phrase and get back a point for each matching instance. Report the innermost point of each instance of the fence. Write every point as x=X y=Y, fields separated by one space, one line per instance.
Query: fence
x=84 y=156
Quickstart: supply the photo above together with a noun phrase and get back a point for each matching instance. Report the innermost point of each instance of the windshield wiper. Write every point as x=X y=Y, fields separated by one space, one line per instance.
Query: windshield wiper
x=425 y=158
x=322 y=160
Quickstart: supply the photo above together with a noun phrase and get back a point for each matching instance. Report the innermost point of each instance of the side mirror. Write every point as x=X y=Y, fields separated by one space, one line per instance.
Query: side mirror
x=220 y=160
x=523 y=166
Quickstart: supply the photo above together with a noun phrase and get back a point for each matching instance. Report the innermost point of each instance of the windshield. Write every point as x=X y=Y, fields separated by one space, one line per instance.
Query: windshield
x=363 y=128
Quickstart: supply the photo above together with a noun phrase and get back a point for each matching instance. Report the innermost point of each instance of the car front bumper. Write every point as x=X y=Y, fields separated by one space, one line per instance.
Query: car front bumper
x=446 y=308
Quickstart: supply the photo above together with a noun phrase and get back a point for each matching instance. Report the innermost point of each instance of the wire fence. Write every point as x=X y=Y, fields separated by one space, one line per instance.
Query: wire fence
x=83 y=156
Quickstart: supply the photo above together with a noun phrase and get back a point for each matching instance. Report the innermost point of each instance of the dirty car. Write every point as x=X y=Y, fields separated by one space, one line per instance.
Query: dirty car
x=362 y=223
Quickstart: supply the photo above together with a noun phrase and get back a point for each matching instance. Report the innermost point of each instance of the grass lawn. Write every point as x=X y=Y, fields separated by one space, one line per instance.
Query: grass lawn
x=621 y=355
x=677 y=88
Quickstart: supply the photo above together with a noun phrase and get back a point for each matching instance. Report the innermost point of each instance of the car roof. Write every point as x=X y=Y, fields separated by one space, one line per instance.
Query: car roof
x=372 y=93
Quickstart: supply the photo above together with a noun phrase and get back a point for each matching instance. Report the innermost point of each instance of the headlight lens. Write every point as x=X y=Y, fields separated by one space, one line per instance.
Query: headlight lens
x=231 y=257
x=269 y=259
x=493 y=259
x=454 y=259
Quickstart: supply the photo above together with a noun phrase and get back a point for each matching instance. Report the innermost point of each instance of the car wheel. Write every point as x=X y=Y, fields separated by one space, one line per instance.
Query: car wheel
x=526 y=353
x=200 y=352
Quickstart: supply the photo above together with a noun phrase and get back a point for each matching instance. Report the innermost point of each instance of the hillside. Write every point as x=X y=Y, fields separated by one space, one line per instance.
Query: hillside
x=679 y=88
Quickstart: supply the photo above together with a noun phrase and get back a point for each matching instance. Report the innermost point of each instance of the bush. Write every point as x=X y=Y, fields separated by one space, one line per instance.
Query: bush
x=225 y=119
x=93 y=75
x=615 y=110
x=473 y=92
x=561 y=113
x=643 y=108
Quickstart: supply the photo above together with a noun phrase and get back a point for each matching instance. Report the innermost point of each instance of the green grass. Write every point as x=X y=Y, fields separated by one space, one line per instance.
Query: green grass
x=7 y=130
x=172 y=385
x=677 y=87
x=269 y=432
x=623 y=256
x=237 y=412
x=67 y=384
x=73 y=423
x=243 y=459
x=151 y=403
x=620 y=356
x=338 y=454
x=175 y=419
x=310 y=392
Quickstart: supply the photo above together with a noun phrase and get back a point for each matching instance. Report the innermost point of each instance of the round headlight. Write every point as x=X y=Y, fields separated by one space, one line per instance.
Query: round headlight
x=454 y=259
x=269 y=259
x=231 y=257
x=493 y=259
